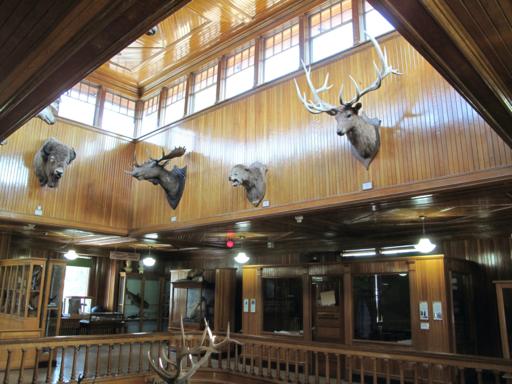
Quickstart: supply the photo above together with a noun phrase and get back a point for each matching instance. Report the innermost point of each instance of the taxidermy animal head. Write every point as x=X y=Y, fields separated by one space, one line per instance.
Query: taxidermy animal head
x=362 y=131
x=48 y=114
x=253 y=179
x=153 y=170
x=51 y=160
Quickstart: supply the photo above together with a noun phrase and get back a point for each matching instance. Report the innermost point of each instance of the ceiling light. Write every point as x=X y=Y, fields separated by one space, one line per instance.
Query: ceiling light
x=424 y=245
x=241 y=258
x=402 y=274
x=148 y=261
x=398 y=249
x=71 y=254
x=151 y=236
x=359 y=252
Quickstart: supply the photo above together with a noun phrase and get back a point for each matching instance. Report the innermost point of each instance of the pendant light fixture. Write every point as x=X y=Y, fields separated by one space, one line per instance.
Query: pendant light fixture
x=424 y=244
x=71 y=254
x=241 y=257
x=149 y=261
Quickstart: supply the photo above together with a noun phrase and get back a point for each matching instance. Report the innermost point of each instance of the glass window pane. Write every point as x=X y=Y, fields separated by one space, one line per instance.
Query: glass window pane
x=174 y=111
x=332 y=42
x=282 y=305
x=76 y=282
x=204 y=98
x=239 y=82
x=382 y=308
x=282 y=63
x=376 y=24
x=119 y=115
x=79 y=103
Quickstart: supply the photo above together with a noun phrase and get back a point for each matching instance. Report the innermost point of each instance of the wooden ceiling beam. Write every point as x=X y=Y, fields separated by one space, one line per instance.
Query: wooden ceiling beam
x=428 y=28
x=68 y=48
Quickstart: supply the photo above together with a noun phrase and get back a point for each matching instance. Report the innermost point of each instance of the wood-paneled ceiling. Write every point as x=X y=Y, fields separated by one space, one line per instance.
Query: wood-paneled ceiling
x=482 y=211
x=186 y=36
x=47 y=46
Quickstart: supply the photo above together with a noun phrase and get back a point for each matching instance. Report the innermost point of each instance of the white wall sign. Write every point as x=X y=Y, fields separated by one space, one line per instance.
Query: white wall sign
x=246 y=305
x=437 y=310
x=423 y=310
x=424 y=326
x=253 y=305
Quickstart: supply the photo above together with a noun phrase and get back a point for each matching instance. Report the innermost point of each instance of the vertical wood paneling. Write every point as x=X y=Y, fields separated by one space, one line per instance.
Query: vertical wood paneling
x=94 y=191
x=428 y=132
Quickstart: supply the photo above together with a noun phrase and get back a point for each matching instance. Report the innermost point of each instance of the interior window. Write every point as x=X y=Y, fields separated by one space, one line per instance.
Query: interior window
x=282 y=52
x=282 y=305
x=239 y=72
x=76 y=283
x=150 y=115
x=331 y=30
x=79 y=103
x=204 y=92
x=374 y=22
x=382 y=308
x=119 y=115
x=175 y=103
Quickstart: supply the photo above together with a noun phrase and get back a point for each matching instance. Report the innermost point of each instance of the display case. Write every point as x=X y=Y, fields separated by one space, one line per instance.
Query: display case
x=141 y=301
x=193 y=301
x=54 y=288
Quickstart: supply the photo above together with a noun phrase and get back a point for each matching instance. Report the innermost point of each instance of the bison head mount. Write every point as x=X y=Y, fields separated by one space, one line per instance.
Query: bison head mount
x=48 y=114
x=51 y=160
x=362 y=131
x=253 y=178
x=153 y=170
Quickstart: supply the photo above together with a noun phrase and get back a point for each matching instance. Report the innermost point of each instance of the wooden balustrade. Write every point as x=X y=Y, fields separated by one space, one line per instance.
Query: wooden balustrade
x=89 y=358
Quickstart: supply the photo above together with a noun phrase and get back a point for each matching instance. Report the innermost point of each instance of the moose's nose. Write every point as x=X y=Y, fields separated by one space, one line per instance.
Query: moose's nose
x=58 y=173
x=340 y=133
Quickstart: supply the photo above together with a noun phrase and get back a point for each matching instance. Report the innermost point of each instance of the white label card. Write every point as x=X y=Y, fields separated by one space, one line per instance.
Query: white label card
x=246 y=305
x=437 y=310
x=253 y=305
x=423 y=310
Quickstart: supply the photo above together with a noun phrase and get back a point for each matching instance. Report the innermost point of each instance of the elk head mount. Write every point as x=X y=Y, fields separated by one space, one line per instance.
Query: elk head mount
x=179 y=372
x=153 y=170
x=362 y=131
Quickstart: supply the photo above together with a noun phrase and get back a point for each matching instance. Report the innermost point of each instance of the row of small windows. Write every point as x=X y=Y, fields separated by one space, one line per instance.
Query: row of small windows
x=330 y=31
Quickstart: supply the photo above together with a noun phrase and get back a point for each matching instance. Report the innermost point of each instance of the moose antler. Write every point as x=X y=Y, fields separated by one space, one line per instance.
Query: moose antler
x=179 y=374
x=176 y=152
x=318 y=105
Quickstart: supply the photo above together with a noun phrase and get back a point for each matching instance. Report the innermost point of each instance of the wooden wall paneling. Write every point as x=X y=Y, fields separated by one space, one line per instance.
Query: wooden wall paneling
x=5 y=243
x=252 y=323
x=178 y=301
x=348 y=309
x=225 y=286
x=430 y=285
x=94 y=192
x=429 y=134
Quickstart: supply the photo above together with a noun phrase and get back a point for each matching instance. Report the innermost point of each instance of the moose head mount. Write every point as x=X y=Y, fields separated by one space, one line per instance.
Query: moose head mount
x=362 y=131
x=51 y=160
x=48 y=114
x=180 y=372
x=153 y=170
x=253 y=178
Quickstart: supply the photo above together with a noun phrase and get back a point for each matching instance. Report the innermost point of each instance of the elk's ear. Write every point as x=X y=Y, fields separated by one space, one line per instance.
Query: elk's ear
x=72 y=155
x=357 y=107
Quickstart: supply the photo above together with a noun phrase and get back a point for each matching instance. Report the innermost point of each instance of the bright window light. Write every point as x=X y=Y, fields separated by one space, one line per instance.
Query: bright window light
x=76 y=282
x=375 y=23
x=79 y=103
x=332 y=42
x=282 y=63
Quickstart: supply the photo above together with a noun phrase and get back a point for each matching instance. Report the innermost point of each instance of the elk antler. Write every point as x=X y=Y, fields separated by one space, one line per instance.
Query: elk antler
x=318 y=105
x=178 y=374
x=381 y=74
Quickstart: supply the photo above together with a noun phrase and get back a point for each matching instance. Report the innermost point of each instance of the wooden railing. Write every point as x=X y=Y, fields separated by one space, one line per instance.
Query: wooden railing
x=94 y=358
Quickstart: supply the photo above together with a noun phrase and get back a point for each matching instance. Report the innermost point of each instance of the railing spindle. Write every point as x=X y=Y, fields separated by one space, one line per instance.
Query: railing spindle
x=97 y=365
x=430 y=369
x=415 y=370
x=374 y=370
x=401 y=367
x=496 y=377
x=278 y=362
x=317 y=379
x=141 y=353
x=49 y=369
x=244 y=357
x=287 y=365
x=338 y=369
x=229 y=357
x=73 y=363
x=327 y=368
x=361 y=370
x=349 y=358
x=109 y=359
x=479 y=376
x=236 y=358
x=462 y=376
x=35 y=375
x=86 y=362
x=388 y=375
x=269 y=361
x=252 y=359
x=62 y=360
x=130 y=350
x=306 y=368
x=296 y=376
x=260 y=363
x=22 y=367
x=119 y=371
x=7 y=367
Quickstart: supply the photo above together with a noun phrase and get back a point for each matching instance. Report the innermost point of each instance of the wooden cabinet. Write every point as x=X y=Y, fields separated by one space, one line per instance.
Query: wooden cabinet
x=141 y=300
x=212 y=297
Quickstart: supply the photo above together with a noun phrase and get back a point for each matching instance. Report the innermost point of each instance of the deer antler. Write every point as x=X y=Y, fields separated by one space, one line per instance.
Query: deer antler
x=177 y=374
x=381 y=74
